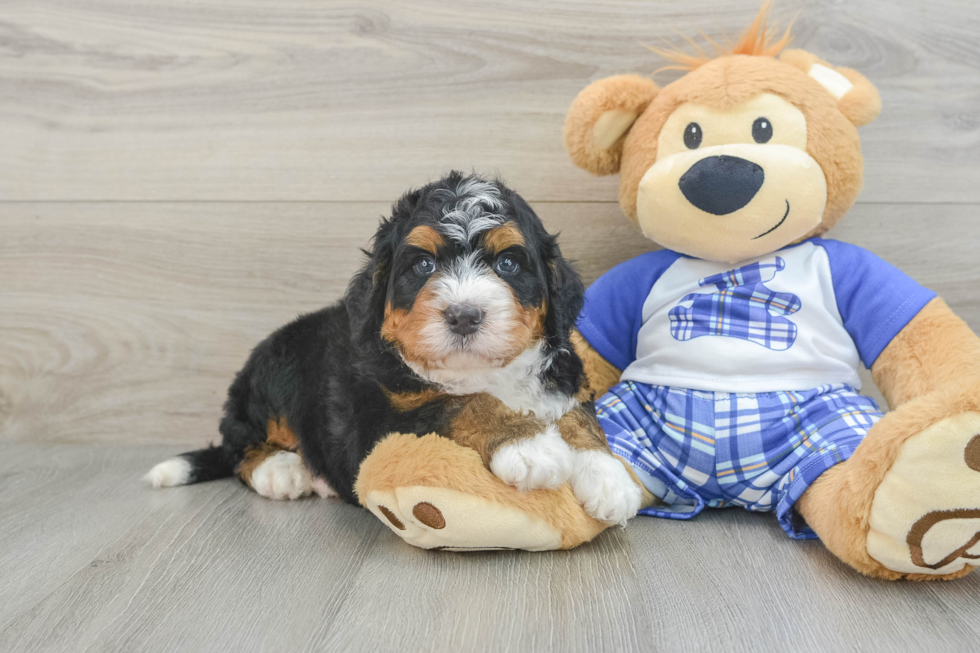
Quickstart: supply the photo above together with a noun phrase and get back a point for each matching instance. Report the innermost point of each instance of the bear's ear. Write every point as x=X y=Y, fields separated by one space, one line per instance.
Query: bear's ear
x=600 y=117
x=857 y=98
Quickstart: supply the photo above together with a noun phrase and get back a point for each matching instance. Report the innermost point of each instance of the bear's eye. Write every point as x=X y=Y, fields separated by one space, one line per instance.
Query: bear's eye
x=762 y=130
x=692 y=136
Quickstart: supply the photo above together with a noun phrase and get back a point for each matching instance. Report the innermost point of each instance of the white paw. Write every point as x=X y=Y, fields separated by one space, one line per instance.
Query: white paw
x=282 y=476
x=175 y=471
x=604 y=487
x=323 y=489
x=541 y=462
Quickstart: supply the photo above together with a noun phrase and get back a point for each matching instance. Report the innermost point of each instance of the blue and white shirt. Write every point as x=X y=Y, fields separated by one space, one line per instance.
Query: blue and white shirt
x=799 y=318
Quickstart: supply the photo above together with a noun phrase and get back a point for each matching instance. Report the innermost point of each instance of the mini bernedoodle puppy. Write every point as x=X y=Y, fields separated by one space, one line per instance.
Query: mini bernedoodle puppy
x=458 y=324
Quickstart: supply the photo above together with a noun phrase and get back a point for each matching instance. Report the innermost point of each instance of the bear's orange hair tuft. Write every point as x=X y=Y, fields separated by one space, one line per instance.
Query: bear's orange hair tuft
x=757 y=40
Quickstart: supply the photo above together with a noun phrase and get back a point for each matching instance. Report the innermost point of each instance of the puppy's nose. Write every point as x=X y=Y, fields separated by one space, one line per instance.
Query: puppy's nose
x=721 y=184
x=463 y=319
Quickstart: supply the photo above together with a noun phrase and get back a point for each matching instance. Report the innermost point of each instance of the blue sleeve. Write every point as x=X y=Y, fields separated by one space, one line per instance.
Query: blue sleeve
x=613 y=312
x=875 y=299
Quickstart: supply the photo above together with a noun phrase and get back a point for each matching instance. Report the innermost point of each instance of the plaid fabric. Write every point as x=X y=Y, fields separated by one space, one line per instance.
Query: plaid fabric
x=759 y=451
x=742 y=308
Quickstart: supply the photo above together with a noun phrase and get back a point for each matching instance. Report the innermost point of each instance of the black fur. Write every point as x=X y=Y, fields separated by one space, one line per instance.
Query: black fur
x=326 y=372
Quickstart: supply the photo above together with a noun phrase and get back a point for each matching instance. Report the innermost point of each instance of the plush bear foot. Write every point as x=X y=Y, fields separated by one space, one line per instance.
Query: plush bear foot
x=436 y=494
x=925 y=517
x=906 y=504
x=437 y=518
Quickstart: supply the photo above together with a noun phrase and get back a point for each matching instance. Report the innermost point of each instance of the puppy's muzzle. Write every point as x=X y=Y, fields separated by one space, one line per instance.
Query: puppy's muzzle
x=721 y=184
x=463 y=319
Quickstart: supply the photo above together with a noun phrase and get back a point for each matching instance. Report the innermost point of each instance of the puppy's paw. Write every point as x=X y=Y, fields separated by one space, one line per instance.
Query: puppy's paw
x=604 y=487
x=282 y=476
x=540 y=463
x=323 y=489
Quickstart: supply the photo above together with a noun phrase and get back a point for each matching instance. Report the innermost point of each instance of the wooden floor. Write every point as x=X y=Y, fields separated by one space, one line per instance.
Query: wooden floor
x=177 y=178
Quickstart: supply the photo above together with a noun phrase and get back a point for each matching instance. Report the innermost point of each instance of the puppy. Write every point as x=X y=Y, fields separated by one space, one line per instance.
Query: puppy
x=458 y=324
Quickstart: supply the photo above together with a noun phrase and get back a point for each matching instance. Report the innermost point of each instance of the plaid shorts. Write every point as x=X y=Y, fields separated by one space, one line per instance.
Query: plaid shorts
x=760 y=451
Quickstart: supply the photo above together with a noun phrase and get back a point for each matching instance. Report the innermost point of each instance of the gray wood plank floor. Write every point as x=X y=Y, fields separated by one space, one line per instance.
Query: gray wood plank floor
x=179 y=178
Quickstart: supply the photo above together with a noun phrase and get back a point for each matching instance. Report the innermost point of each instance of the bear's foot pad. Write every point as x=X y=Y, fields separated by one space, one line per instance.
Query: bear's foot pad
x=439 y=518
x=925 y=518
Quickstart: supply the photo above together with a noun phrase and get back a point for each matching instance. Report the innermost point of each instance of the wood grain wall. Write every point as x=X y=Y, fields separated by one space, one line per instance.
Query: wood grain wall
x=177 y=178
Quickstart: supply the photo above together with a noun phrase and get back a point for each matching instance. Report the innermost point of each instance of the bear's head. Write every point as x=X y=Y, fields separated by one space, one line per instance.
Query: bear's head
x=743 y=155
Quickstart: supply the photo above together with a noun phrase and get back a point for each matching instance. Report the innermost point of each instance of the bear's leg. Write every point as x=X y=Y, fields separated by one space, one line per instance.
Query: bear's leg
x=907 y=502
x=437 y=494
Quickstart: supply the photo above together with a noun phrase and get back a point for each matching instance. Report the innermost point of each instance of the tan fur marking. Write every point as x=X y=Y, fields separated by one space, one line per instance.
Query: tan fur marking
x=499 y=239
x=484 y=424
x=429 y=515
x=580 y=429
x=527 y=329
x=277 y=432
x=404 y=328
x=600 y=374
x=255 y=456
x=406 y=401
x=425 y=237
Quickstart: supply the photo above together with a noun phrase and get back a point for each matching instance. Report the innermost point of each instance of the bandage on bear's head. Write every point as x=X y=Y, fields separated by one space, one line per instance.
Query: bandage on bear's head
x=469 y=277
x=741 y=156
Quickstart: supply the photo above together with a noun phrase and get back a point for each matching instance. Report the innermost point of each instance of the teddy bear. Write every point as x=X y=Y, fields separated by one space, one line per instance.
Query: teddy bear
x=724 y=365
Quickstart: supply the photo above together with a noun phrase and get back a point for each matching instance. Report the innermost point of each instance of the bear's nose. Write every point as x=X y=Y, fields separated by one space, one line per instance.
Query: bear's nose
x=721 y=184
x=463 y=319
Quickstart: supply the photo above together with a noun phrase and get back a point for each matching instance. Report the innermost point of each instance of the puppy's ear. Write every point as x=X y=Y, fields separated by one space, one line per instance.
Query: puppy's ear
x=857 y=98
x=566 y=294
x=367 y=293
x=382 y=254
x=600 y=117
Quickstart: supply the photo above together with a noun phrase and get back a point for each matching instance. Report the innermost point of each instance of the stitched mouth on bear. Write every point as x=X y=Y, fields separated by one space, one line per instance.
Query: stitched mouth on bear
x=778 y=224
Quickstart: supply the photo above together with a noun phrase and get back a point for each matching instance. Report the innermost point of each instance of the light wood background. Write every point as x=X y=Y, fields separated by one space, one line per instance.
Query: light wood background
x=177 y=178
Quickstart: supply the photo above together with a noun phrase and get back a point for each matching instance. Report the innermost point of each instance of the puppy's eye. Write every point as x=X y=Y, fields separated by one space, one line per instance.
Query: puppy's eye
x=762 y=130
x=425 y=266
x=693 y=136
x=505 y=265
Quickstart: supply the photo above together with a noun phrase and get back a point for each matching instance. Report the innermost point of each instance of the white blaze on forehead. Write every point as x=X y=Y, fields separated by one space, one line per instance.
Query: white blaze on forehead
x=474 y=211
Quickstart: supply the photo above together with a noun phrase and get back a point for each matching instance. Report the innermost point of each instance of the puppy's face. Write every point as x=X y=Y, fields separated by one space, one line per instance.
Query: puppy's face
x=467 y=285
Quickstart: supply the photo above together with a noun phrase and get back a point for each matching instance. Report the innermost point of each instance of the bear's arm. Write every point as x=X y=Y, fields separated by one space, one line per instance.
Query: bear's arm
x=935 y=350
x=600 y=374
x=611 y=317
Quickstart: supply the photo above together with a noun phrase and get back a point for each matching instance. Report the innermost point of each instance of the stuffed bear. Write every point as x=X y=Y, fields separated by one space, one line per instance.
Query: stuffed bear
x=725 y=364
